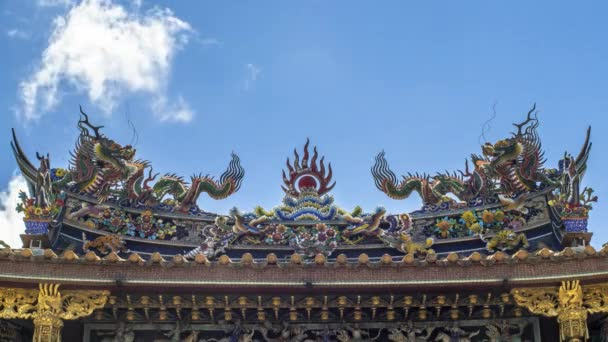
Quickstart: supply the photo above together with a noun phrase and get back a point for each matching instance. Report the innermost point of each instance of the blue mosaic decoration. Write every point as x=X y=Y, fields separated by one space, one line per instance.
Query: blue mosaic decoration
x=36 y=227
x=575 y=225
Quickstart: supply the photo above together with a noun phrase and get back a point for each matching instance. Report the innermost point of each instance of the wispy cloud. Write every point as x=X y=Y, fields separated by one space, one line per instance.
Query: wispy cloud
x=208 y=41
x=55 y=3
x=106 y=51
x=17 y=34
x=11 y=222
x=177 y=111
x=253 y=72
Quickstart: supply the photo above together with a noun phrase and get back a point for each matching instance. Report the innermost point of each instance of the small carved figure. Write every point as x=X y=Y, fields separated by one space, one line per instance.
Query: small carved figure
x=43 y=180
x=123 y=333
x=501 y=332
x=286 y=333
x=455 y=334
x=407 y=333
x=403 y=242
x=506 y=240
x=174 y=335
x=235 y=334
x=211 y=247
x=105 y=244
x=321 y=335
x=89 y=210
x=355 y=334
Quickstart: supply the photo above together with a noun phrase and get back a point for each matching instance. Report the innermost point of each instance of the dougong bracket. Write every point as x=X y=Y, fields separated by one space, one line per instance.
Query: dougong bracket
x=570 y=303
x=48 y=307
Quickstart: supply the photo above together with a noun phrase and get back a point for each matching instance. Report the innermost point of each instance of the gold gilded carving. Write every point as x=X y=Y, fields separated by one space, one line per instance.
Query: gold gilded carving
x=595 y=298
x=571 y=304
x=572 y=317
x=17 y=303
x=570 y=295
x=48 y=307
x=47 y=324
x=540 y=301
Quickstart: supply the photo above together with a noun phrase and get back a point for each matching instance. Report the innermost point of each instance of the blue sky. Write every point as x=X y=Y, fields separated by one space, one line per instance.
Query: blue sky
x=202 y=79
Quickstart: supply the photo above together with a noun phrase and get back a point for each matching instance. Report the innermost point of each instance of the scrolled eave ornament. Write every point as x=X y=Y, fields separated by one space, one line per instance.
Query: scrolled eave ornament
x=571 y=203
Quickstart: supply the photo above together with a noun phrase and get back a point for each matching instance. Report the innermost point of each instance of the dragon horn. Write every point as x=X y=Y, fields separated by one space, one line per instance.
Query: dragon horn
x=528 y=119
x=86 y=122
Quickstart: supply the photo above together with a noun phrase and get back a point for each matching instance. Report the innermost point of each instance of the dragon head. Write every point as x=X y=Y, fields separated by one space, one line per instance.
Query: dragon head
x=107 y=151
x=508 y=150
x=503 y=151
x=110 y=151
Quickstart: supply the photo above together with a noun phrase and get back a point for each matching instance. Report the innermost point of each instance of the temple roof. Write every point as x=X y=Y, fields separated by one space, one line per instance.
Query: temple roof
x=505 y=200
x=453 y=271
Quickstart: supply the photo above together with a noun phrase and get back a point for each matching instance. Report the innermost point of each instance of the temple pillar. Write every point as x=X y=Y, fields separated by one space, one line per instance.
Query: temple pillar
x=48 y=307
x=570 y=303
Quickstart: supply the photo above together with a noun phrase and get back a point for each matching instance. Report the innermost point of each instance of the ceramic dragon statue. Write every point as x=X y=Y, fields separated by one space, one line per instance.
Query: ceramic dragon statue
x=517 y=162
x=432 y=189
x=102 y=168
x=508 y=167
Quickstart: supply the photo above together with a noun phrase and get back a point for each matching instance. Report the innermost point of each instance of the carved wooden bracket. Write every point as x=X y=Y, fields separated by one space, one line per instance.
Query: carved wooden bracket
x=570 y=303
x=48 y=307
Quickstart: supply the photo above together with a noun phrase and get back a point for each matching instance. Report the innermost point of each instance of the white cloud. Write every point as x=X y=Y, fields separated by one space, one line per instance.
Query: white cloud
x=17 y=34
x=253 y=71
x=105 y=50
x=11 y=222
x=178 y=111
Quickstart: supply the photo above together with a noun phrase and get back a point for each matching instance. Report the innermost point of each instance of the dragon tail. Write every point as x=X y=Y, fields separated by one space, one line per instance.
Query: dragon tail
x=386 y=181
x=229 y=182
